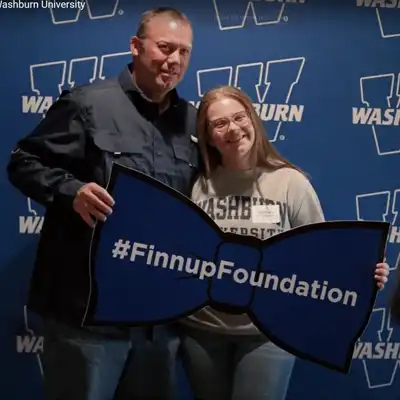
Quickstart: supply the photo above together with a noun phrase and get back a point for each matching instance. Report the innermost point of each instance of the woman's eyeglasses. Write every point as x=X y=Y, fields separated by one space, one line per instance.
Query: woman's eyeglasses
x=240 y=119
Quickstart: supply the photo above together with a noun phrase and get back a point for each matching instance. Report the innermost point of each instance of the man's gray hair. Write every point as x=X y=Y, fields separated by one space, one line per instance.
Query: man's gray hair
x=150 y=14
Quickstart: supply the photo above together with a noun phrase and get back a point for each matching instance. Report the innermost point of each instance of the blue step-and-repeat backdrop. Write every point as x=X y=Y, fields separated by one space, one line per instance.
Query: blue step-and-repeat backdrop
x=324 y=75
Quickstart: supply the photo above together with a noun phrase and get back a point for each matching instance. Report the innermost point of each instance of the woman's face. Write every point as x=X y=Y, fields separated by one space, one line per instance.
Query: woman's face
x=231 y=132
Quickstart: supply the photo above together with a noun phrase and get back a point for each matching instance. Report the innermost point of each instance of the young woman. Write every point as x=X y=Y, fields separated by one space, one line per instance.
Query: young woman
x=225 y=356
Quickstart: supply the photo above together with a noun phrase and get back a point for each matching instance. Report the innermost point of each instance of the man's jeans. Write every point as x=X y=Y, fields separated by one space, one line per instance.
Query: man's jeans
x=108 y=363
x=222 y=367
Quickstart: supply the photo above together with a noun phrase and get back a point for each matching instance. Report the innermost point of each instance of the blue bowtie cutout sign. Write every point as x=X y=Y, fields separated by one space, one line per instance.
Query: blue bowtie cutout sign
x=159 y=258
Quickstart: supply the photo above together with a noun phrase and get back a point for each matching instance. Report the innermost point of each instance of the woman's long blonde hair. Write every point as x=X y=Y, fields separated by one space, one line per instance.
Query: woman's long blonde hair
x=263 y=154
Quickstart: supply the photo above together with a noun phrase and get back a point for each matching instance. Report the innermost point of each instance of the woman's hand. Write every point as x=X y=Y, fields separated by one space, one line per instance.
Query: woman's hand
x=381 y=274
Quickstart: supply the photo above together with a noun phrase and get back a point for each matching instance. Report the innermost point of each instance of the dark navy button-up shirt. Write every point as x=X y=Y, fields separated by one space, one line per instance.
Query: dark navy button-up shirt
x=84 y=132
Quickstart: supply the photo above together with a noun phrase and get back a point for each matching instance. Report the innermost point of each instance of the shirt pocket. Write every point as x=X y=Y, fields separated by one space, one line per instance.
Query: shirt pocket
x=185 y=169
x=113 y=147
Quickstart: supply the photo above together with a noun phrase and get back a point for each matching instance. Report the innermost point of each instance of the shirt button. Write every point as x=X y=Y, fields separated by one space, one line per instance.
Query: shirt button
x=159 y=153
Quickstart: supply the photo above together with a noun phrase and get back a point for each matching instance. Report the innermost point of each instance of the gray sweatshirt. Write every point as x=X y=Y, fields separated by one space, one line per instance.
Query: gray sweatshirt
x=236 y=201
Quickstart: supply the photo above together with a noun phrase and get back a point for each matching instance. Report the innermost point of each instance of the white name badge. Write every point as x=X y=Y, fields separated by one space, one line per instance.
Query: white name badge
x=266 y=214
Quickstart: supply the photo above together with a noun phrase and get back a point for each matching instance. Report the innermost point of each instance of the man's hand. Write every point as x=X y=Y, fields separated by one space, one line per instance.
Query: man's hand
x=93 y=201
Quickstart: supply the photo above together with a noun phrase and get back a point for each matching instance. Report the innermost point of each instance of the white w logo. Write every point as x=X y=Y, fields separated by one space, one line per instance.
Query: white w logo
x=235 y=15
x=95 y=10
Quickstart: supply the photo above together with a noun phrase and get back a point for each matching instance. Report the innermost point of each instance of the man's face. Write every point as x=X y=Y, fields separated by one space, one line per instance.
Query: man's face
x=163 y=54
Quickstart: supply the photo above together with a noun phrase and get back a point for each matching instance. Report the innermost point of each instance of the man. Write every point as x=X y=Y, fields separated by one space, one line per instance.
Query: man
x=139 y=120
